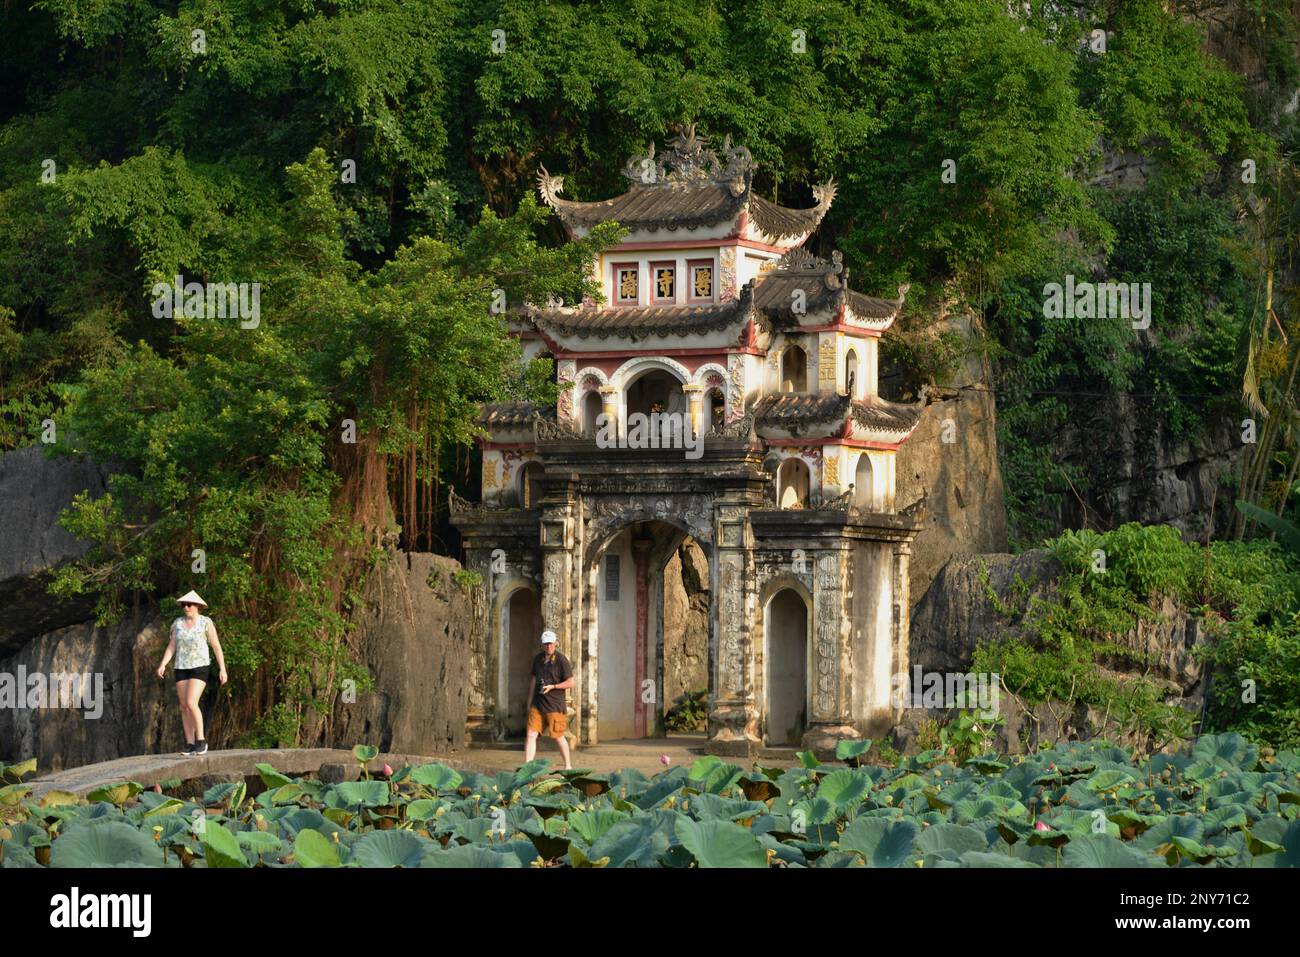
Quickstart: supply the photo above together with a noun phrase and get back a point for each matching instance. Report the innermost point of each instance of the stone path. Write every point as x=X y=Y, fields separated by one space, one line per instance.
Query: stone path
x=644 y=755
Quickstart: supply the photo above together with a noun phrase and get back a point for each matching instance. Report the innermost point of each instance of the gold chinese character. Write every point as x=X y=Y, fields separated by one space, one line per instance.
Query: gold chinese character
x=664 y=277
x=704 y=282
x=489 y=474
x=832 y=470
x=627 y=284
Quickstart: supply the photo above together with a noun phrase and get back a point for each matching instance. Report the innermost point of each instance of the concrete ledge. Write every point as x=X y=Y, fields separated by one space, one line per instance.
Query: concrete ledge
x=150 y=769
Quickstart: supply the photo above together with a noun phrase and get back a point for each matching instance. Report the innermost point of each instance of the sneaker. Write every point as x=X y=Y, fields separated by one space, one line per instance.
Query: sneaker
x=188 y=752
x=200 y=747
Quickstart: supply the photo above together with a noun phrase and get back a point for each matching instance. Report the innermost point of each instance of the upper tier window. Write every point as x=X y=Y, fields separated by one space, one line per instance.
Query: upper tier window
x=665 y=282
x=626 y=290
x=701 y=280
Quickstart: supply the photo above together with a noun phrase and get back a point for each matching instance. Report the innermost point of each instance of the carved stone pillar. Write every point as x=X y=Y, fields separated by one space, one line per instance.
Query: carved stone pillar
x=609 y=408
x=829 y=711
x=733 y=714
x=558 y=612
x=901 y=618
x=694 y=396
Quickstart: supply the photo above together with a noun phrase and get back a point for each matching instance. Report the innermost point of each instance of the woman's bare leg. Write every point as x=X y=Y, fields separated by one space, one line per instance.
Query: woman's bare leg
x=193 y=693
x=182 y=688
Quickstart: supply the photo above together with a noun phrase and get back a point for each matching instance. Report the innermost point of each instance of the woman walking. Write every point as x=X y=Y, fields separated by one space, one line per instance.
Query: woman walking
x=191 y=635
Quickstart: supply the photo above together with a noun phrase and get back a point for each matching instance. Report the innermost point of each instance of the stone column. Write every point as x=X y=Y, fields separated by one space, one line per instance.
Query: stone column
x=901 y=618
x=558 y=612
x=829 y=717
x=640 y=554
x=609 y=407
x=483 y=654
x=733 y=712
x=694 y=395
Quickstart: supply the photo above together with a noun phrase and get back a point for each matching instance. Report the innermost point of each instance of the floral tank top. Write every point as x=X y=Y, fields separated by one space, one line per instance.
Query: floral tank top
x=191 y=643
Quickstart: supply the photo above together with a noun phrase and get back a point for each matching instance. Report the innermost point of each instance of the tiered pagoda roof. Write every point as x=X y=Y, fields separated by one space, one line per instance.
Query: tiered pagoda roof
x=690 y=187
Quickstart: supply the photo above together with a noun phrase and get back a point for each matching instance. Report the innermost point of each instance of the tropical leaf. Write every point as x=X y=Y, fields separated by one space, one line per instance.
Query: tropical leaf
x=720 y=844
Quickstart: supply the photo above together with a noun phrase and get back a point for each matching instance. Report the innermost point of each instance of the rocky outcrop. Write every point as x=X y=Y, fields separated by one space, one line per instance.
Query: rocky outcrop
x=686 y=623
x=957 y=613
x=412 y=632
x=34 y=489
x=126 y=709
x=952 y=460
x=1139 y=472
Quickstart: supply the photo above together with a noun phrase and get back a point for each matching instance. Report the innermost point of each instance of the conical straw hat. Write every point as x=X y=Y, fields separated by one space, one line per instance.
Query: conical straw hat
x=192 y=596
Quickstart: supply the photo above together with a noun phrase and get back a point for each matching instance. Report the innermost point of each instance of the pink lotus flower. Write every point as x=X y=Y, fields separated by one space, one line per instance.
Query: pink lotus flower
x=1040 y=826
x=157 y=789
x=388 y=771
x=663 y=759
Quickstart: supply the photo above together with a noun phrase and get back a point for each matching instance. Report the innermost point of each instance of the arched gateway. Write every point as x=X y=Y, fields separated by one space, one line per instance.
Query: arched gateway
x=686 y=415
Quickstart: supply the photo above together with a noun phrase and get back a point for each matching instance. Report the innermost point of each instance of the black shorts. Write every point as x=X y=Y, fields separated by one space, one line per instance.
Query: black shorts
x=203 y=673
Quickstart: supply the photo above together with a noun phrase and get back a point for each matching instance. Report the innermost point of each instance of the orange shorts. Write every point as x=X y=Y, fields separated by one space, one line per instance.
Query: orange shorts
x=556 y=722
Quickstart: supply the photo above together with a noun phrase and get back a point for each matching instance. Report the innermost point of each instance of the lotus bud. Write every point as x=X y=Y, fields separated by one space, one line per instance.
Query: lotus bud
x=1040 y=826
x=157 y=789
x=261 y=823
x=663 y=759
x=388 y=771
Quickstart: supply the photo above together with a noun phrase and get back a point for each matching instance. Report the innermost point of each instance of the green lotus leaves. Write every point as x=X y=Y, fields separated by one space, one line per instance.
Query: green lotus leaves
x=720 y=844
x=110 y=844
x=436 y=777
x=1102 y=850
x=363 y=793
x=365 y=753
x=313 y=849
x=271 y=777
x=220 y=849
x=117 y=794
x=1076 y=805
x=881 y=843
x=391 y=848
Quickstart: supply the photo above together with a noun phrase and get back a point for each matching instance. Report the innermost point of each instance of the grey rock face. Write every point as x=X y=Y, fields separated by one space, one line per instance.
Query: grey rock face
x=964 y=512
x=414 y=638
x=686 y=623
x=33 y=490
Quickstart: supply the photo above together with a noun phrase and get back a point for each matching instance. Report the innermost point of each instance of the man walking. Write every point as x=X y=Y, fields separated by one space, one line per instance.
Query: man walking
x=552 y=676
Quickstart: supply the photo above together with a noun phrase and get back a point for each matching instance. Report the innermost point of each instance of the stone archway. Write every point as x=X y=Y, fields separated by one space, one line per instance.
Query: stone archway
x=519 y=642
x=623 y=618
x=785 y=658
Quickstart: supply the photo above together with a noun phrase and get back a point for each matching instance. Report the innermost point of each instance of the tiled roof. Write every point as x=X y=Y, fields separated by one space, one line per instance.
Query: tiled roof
x=499 y=415
x=790 y=410
x=640 y=321
x=783 y=222
x=877 y=413
x=655 y=207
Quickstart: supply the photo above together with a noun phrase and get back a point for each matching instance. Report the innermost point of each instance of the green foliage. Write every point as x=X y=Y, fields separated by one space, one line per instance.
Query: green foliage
x=688 y=713
x=1222 y=803
x=1245 y=594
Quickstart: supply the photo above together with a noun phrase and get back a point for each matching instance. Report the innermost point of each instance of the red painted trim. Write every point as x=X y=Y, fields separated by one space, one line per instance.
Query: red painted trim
x=488 y=446
x=856 y=331
x=672 y=354
x=696 y=244
x=838 y=440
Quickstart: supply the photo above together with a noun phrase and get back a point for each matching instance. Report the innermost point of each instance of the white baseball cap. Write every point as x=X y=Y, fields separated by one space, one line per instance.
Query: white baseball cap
x=548 y=636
